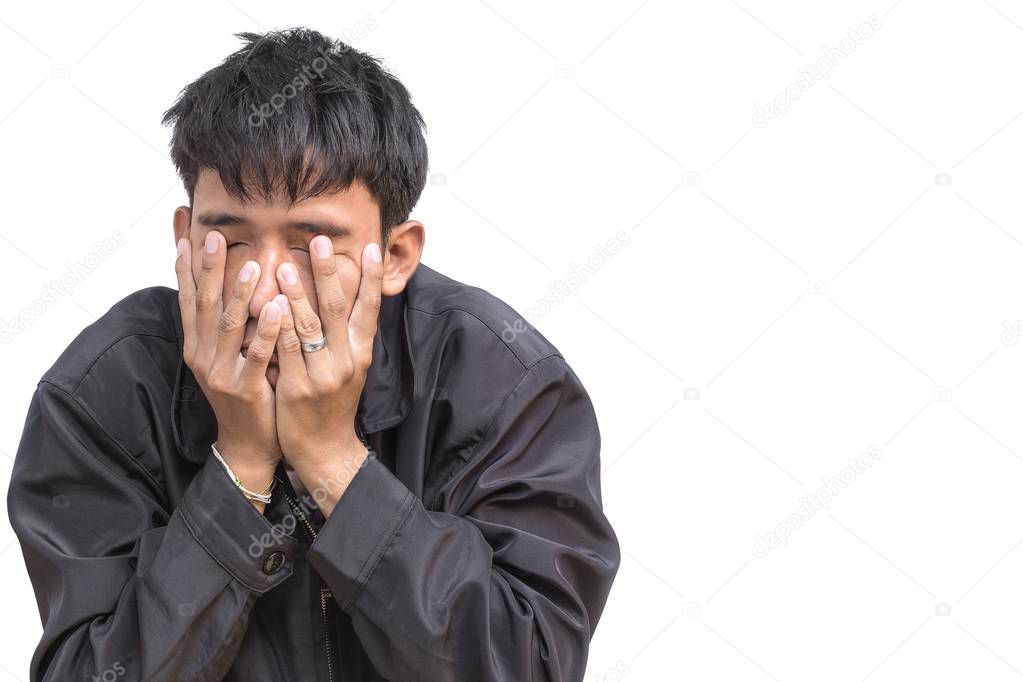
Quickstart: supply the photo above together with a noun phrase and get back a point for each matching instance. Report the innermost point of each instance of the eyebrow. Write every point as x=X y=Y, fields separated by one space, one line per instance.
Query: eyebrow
x=221 y=219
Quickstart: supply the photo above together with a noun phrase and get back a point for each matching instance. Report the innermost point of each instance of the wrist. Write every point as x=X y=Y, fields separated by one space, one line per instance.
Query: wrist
x=327 y=477
x=252 y=470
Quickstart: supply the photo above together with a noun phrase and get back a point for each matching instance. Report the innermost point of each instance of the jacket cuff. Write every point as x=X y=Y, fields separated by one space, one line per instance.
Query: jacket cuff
x=360 y=529
x=233 y=533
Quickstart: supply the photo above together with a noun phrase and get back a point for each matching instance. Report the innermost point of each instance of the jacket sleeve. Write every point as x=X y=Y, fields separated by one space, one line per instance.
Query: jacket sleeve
x=506 y=581
x=126 y=588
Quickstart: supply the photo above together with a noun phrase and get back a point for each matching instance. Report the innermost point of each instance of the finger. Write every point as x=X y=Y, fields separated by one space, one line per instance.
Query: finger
x=289 y=346
x=210 y=290
x=231 y=328
x=307 y=323
x=262 y=347
x=329 y=294
x=186 y=294
x=362 y=326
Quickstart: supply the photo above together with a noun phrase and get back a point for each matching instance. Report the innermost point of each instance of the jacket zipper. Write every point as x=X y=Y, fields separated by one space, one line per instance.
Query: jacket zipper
x=325 y=594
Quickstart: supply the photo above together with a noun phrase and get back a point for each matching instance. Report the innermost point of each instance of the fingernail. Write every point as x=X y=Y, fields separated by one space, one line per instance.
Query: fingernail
x=323 y=247
x=282 y=301
x=288 y=272
x=374 y=252
x=273 y=311
x=211 y=243
x=247 y=271
x=182 y=247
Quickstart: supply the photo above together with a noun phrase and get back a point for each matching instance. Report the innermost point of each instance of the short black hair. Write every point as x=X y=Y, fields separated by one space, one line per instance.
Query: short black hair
x=294 y=110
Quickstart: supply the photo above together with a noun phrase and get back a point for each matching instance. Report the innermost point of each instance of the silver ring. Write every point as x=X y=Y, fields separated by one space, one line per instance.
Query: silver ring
x=313 y=346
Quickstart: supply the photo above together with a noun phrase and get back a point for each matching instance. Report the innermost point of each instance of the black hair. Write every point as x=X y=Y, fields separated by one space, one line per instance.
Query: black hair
x=294 y=110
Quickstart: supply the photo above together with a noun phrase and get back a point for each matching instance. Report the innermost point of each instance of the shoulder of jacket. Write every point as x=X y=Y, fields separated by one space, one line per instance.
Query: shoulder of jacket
x=483 y=317
x=145 y=315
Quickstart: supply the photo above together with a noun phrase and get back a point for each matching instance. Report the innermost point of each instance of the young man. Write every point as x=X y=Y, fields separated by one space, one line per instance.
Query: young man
x=318 y=460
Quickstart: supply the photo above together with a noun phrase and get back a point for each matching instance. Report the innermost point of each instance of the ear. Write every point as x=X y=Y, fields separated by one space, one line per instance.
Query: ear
x=401 y=255
x=182 y=223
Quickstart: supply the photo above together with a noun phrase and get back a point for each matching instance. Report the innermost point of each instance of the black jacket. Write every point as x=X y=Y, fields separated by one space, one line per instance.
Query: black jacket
x=472 y=547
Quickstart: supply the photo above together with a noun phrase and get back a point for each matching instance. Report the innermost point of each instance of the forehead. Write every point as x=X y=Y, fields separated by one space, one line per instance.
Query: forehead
x=355 y=207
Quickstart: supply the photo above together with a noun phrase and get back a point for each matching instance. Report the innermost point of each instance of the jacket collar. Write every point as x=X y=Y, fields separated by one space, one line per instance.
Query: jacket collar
x=385 y=399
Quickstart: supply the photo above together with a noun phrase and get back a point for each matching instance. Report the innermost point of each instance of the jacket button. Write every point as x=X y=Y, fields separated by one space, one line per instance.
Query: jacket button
x=273 y=563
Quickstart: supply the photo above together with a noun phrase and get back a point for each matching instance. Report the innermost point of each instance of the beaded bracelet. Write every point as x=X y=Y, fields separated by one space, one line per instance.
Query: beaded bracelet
x=263 y=497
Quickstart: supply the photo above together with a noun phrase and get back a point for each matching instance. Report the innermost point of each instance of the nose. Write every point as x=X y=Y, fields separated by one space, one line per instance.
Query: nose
x=266 y=287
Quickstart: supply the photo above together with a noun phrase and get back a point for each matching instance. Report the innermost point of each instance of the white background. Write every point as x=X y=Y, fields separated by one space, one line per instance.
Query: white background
x=844 y=278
